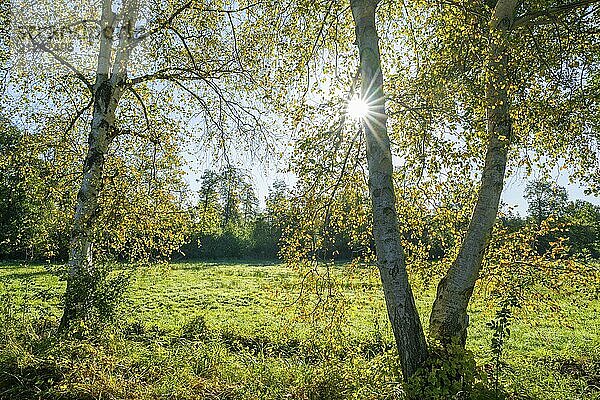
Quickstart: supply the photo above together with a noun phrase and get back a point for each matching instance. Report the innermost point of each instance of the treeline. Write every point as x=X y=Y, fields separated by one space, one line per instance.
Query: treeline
x=578 y=221
x=152 y=214
x=227 y=220
x=143 y=215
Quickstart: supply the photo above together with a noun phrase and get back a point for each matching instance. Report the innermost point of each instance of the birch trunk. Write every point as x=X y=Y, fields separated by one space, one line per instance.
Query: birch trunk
x=449 y=319
x=82 y=277
x=404 y=318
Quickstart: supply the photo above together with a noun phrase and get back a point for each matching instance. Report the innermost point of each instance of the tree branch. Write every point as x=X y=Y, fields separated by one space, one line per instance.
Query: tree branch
x=144 y=109
x=185 y=46
x=62 y=61
x=236 y=10
x=79 y=114
x=166 y=23
x=530 y=18
x=185 y=74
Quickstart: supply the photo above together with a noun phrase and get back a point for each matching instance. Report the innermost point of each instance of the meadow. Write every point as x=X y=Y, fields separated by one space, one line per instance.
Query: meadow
x=264 y=331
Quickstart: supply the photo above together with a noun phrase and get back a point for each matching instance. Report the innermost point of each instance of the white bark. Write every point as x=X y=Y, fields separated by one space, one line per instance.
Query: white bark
x=107 y=29
x=503 y=16
x=126 y=42
x=449 y=319
x=106 y=95
x=404 y=318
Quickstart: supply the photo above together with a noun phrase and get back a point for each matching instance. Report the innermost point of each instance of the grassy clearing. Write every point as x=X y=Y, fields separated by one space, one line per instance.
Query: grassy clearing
x=234 y=331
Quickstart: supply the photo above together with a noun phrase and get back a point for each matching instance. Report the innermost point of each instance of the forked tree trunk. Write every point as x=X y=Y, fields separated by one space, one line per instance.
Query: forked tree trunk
x=82 y=275
x=404 y=318
x=449 y=319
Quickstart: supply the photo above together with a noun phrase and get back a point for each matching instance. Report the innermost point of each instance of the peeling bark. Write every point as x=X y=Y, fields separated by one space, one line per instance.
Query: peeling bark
x=107 y=90
x=449 y=319
x=403 y=314
x=81 y=279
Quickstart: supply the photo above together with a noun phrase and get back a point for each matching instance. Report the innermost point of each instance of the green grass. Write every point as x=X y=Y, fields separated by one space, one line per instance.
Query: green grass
x=208 y=330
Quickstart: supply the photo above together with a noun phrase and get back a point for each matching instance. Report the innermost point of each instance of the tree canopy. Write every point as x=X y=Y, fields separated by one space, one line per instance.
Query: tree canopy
x=103 y=100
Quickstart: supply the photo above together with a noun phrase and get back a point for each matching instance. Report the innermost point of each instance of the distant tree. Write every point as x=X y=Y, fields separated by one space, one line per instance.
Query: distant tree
x=208 y=209
x=238 y=198
x=264 y=238
x=583 y=228
x=268 y=230
x=11 y=192
x=579 y=220
x=229 y=222
x=230 y=183
x=276 y=200
x=510 y=219
x=24 y=215
x=249 y=204
x=545 y=199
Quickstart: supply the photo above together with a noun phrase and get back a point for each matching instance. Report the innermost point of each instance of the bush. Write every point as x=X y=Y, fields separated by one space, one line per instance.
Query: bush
x=94 y=299
x=450 y=373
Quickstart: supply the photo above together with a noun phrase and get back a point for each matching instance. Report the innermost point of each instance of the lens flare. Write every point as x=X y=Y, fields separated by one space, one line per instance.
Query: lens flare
x=358 y=108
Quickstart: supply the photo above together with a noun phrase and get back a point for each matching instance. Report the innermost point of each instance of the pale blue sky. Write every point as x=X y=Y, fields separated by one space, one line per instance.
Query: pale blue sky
x=264 y=174
x=515 y=187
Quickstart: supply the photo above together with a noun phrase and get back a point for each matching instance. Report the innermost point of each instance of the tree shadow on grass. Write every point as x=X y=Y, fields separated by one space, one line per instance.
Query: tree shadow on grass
x=22 y=275
x=226 y=262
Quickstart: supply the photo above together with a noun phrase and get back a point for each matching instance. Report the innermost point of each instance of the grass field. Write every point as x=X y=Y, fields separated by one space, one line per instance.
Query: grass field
x=238 y=331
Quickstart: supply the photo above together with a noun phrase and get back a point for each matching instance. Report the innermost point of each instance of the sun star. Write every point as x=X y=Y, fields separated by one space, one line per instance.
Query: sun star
x=358 y=108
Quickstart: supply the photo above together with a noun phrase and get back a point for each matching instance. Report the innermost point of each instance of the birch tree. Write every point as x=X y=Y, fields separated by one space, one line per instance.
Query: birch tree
x=490 y=63
x=106 y=94
x=404 y=318
x=501 y=81
x=448 y=317
x=126 y=58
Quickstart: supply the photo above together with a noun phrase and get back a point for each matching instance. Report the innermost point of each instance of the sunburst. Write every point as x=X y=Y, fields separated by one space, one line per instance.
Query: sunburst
x=358 y=108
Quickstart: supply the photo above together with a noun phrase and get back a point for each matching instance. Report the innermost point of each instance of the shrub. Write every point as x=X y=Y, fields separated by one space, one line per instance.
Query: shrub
x=449 y=373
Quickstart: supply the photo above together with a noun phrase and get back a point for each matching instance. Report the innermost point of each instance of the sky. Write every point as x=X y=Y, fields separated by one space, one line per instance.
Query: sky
x=514 y=190
x=264 y=175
